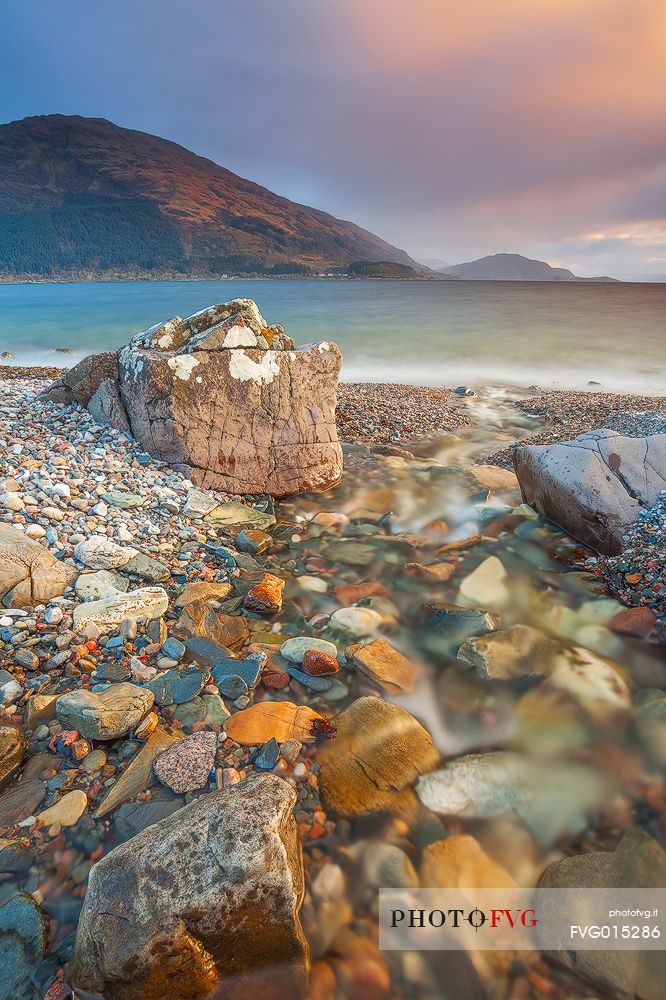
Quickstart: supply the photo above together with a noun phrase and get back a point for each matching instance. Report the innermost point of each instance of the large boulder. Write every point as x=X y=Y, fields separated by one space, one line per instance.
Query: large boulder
x=595 y=486
x=206 y=899
x=223 y=398
x=29 y=574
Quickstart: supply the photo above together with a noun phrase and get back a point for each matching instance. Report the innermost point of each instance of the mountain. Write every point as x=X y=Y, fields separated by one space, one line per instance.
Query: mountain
x=512 y=267
x=82 y=197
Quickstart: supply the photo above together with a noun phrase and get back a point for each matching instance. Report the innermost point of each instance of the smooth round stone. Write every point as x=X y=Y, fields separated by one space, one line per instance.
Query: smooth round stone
x=357 y=621
x=100 y=552
x=296 y=648
x=53 y=616
x=67 y=811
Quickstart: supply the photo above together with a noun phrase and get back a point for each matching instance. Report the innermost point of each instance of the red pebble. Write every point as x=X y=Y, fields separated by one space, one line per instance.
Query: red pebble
x=316 y=662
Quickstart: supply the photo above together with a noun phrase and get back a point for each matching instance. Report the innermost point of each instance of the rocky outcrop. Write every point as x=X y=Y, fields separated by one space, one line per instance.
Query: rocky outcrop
x=205 y=900
x=223 y=398
x=596 y=486
x=29 y=574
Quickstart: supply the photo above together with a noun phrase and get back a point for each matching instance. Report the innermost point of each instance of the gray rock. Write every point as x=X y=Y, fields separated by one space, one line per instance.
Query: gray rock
x=637 y=862
x=595 y=486
x=133 y=817
x=23 y=942
x=174 y=687
x=147 y=603
x=100 y=584
x=550 y=800
x=225 y=876
x=147 y=569
x=105 y=715
x=29 y=574
x=100 y=552
x=107 y=407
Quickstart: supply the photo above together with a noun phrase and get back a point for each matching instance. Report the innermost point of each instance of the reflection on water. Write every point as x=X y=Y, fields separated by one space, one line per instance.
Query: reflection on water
x=424 y=332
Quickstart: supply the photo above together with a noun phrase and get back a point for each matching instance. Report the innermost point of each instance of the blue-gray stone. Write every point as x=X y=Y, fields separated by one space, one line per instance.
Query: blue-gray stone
x=231 y=685
x=314 y=682
x=174 y=648
x=23 y=942
x=175 y=687
x=249 y=669
x=266 y=757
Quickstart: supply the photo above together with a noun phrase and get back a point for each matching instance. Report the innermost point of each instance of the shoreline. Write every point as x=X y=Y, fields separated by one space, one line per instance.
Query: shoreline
x=412 y=579
x=418 y=412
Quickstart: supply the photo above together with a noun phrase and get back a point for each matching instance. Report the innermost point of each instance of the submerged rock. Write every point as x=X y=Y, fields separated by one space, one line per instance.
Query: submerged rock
x=207 y=898
x=379 y=752
x=23 y=942
x=638 y=862
x=550 y=800
x=596 y=486
x=510 y=653
x=223 y=398
x=383 y=664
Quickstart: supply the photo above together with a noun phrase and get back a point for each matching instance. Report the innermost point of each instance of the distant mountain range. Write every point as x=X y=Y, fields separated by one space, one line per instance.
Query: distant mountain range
x=511 y=267
x=82 y=197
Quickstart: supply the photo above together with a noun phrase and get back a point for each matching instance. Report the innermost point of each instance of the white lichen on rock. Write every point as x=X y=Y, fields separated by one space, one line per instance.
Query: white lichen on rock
x=240 y=336
x=182 y=366
x=244 y=369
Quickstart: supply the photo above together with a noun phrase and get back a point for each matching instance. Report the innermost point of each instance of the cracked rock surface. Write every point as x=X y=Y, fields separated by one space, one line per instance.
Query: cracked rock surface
x=596 y=486
x=225 y=876
x=29 y=573
x=223 y=398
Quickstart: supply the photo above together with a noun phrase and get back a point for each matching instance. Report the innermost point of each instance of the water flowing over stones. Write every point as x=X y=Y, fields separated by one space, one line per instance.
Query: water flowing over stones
x=596 y=486
x=223 y=398
x=225 y=875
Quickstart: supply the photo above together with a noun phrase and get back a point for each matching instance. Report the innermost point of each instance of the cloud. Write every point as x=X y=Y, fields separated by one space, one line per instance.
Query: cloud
x=451 y=129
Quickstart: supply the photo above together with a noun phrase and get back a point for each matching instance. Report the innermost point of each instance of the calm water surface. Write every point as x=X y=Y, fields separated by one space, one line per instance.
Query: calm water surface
x=438 y=333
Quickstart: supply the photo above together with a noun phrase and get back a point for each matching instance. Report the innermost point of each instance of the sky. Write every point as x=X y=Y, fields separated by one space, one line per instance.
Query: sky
x=452 y=129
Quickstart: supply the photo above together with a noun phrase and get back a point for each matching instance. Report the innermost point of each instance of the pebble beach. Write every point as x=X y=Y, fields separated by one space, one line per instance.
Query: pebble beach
x=207 y=640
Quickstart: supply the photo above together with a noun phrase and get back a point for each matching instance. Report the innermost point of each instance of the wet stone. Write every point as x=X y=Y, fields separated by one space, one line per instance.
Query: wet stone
x=231 y=685
x=266 y=757
x=23 y=943
x=186 y=765
x=177 y=686
x=314 y=683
